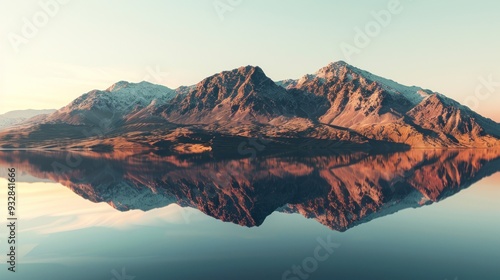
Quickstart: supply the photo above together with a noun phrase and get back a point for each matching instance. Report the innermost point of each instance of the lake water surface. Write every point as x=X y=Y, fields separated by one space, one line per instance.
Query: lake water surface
x=420 y=214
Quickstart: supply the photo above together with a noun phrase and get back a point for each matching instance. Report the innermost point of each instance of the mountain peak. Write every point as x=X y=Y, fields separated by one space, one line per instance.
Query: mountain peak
x=254 y=72
x=338 y=64
x=117 y=86
x=121 y=85
x=334 y=69
x=245 y=74
x=249 y=69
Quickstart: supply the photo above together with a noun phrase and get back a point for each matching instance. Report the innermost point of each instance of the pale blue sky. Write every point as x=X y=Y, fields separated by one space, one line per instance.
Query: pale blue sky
x=445 y=46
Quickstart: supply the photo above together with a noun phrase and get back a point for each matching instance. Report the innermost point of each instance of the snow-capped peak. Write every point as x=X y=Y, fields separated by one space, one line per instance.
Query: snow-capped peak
x=412 y=93
x=338 y=69
x=331 y=70
x=118 y=86
x=120 y=98
x=125 y=87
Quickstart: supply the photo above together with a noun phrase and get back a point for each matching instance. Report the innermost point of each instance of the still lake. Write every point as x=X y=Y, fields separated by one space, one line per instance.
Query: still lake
x=418 y=214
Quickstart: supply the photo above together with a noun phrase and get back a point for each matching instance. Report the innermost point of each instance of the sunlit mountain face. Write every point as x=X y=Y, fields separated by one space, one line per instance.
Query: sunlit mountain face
x=338 y=105
x=339 y=191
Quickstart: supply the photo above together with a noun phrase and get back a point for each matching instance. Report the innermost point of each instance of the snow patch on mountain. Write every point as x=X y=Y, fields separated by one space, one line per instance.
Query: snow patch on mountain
x=413 y=94
x=124 y=96
x=339 y=69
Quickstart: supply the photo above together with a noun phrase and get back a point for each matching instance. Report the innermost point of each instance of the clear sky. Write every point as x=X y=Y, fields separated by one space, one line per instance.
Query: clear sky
x=51 y=54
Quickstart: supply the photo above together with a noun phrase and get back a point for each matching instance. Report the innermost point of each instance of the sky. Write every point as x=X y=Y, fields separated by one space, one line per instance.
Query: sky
x=52 y=51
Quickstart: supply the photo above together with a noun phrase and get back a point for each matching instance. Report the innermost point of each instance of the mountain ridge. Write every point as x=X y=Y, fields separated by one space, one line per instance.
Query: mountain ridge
x=339 y=103
x=17 y=117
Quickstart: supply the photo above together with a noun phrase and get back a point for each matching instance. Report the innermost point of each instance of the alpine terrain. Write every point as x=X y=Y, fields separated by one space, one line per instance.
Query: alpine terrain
x=338 y=107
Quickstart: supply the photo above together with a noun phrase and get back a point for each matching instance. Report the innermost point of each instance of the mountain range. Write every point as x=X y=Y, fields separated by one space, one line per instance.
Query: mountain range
x=339 y=107
x=13 y=118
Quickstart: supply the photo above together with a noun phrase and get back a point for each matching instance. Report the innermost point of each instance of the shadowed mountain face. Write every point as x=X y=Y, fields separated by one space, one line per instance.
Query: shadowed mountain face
x=339 y=191
x=339 y=105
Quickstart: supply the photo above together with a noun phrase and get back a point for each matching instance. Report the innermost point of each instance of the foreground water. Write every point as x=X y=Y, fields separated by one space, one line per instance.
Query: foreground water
x=409 y=215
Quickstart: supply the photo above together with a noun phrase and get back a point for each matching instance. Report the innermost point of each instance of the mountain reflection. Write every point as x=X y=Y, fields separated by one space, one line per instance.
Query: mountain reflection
x=339 y=191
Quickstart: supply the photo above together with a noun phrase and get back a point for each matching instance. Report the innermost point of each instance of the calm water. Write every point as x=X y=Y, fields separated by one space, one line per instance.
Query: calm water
x=409 y=215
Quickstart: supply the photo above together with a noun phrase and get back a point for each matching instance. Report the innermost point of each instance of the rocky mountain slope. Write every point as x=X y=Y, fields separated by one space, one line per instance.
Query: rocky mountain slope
x=112 y=105
x=382 y=109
